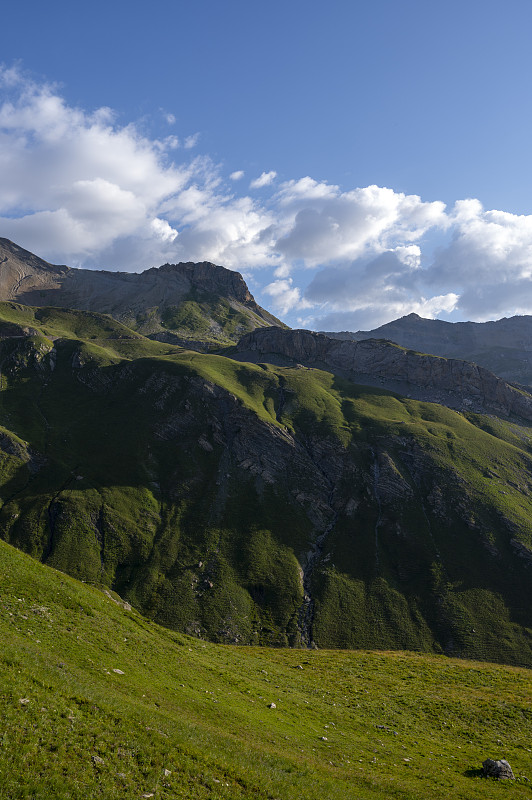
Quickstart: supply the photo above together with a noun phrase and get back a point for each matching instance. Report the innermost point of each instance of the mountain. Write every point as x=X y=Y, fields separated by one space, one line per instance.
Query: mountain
x=503 y=347
x=202 y=305
x=376 y=362
x=97 y=701
x=260 y=503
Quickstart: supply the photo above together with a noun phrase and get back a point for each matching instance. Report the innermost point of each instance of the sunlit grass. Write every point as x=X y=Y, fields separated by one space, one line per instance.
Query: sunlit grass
x=98 y=702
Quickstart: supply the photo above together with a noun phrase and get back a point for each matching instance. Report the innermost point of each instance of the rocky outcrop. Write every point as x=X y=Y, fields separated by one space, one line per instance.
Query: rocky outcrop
x=209 y=277
x=452 y=382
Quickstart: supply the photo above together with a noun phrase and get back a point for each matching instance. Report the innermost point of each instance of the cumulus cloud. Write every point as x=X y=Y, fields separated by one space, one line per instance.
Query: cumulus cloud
x=366 y=248
x=325 y=224
x=265 y=179
x=74 y=182
x=378 y=313
x=234 y=234
x=285 y=297
x=373 y=290
x=79 y=188
x=488 y=260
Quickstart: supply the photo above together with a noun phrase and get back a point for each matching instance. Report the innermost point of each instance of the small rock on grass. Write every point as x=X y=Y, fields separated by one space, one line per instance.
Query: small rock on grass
x=272 y=705
x=497 y=769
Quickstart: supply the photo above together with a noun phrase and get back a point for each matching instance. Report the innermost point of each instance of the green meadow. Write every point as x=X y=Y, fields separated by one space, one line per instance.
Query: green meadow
x=98 y=702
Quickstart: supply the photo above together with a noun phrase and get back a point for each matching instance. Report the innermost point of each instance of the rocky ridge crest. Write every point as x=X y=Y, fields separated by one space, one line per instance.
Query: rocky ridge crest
x=140 y=300
x=452 y=382
x=503 y=346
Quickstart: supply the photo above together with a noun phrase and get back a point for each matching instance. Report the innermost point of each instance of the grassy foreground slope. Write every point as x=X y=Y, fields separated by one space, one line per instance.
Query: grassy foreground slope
x=98 y=702
x=254 y=504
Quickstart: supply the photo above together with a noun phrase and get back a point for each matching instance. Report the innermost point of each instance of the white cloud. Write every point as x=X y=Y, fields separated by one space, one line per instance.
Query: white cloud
x=265 y=179
x=285 y=296
x=79 y=188
x=374 y=290
x=482 y=270
x=305 y=189
x=163 y=230
x=169 y=143
x=488 y=261
x=191 y=141
x=232 y=233
x=282 y=271
x=328 y=225
x=375 y=314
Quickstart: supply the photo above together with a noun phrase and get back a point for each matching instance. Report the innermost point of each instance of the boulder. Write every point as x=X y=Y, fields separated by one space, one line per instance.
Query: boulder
x=497 y=769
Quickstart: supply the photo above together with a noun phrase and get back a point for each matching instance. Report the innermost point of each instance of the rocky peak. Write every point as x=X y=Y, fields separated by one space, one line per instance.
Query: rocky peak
x=220 y=308
x=503 y=346
x=210 y=277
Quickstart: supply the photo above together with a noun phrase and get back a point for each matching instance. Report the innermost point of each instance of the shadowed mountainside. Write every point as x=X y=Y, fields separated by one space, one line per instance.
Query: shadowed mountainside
x=262 y=504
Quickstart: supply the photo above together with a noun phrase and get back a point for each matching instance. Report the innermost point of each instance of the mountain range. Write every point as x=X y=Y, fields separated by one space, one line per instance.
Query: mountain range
x=165 y=437
x=503 y=346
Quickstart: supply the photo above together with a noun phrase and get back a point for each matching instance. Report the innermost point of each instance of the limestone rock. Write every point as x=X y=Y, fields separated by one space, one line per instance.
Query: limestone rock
x=502 y=346
x=497 y=769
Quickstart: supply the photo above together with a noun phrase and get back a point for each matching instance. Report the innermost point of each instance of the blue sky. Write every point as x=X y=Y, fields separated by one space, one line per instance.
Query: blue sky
x=356 y=161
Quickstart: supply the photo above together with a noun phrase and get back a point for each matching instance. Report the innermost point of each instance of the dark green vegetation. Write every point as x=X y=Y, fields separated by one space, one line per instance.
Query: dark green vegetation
x=98 y=702
x=262 y=505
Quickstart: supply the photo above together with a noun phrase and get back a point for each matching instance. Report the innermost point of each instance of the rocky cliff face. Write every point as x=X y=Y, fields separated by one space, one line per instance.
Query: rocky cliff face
x=503 y=347
x=455 y=383
x=202 y=302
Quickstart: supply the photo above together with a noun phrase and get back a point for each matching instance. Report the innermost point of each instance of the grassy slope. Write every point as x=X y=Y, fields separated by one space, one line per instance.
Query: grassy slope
x=203 y=317
x=396 y=725
x=135 y=512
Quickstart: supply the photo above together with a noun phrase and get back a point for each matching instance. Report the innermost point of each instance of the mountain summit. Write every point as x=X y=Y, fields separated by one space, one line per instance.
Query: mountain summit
x=197 y=304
